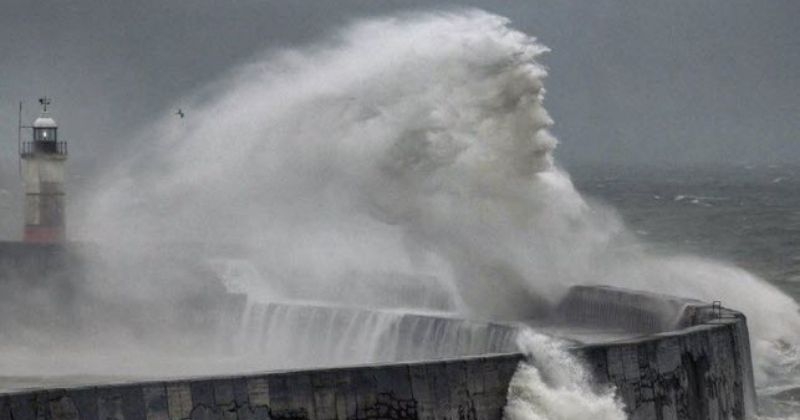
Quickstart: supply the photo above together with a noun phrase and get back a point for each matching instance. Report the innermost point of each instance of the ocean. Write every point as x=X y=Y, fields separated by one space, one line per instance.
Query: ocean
x=747 y=215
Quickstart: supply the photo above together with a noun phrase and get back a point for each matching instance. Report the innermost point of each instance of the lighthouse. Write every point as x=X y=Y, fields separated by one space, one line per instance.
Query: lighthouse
x=43 y=160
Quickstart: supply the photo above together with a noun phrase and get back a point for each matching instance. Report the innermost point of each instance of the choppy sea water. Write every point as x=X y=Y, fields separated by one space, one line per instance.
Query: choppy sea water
x=742 y=214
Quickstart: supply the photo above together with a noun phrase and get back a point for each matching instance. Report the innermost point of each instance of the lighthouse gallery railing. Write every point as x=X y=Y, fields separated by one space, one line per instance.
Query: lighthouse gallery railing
x=30 y=148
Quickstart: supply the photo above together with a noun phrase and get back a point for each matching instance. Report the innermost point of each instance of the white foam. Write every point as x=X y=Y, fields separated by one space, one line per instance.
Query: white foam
x=411 y=144
x=554 y=385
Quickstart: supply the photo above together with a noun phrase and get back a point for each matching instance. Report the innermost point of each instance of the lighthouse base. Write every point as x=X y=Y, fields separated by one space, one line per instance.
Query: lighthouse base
x=44 y=234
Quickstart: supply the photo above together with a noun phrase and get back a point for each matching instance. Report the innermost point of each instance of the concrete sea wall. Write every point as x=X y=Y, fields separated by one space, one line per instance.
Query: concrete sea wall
x=700 y=369
x=469 y=388
x=695 y=364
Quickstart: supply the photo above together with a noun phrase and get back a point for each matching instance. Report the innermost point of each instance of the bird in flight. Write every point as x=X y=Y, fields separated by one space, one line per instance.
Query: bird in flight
x=180 y=113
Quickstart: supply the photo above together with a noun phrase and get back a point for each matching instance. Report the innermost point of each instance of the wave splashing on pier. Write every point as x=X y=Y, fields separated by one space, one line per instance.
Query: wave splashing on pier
x=415 y=144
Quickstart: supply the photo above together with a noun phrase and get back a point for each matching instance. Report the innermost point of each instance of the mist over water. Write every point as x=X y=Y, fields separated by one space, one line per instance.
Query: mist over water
x=372 y=151
x=413 y=146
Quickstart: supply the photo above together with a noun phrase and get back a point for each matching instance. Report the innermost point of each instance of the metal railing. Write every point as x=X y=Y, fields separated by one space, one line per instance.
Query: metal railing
x=716 y=309
x=30 y=148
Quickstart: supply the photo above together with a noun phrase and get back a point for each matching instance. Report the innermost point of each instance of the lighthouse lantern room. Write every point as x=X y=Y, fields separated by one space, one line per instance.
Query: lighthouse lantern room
x=43 y=175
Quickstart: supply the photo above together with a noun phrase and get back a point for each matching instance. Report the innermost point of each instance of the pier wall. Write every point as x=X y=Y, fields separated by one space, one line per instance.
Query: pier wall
x=694 y=364
x=468 y=388
x=701 y=369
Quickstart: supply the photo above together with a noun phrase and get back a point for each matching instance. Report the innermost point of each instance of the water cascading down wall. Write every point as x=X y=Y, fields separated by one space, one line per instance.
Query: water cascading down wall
x=678 y=359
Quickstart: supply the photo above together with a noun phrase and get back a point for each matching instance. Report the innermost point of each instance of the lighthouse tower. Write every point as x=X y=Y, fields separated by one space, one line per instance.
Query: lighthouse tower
x=43 y=174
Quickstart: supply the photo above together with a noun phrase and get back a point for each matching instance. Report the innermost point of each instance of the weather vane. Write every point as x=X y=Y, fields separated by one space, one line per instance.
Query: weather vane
x=44 y=101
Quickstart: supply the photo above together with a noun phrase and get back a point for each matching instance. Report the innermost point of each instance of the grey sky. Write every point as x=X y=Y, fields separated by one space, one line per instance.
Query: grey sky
x=680 y=81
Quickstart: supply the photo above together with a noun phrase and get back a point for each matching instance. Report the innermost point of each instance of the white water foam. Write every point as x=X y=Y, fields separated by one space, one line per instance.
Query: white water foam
x=282 y=336
x=415 y=144
x=553 y=385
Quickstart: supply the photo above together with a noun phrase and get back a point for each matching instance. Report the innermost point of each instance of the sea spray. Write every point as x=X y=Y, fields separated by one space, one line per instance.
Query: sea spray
x=415 y=144
x=554 y=385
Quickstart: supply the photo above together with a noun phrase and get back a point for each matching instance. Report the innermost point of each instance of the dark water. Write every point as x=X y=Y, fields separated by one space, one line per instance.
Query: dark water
x=749 y=216
x=745 y=215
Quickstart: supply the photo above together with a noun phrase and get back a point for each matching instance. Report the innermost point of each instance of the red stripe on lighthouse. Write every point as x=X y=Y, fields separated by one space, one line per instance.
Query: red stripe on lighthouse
x=43 y=234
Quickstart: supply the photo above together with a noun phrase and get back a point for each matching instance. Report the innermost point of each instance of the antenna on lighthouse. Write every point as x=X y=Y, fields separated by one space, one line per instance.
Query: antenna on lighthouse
x=19 y=140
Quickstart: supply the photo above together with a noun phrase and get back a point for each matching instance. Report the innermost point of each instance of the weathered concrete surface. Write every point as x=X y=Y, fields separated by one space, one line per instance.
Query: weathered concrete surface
x=699 y=370
x=698 y=367
x=693 y=374
x=470 y=388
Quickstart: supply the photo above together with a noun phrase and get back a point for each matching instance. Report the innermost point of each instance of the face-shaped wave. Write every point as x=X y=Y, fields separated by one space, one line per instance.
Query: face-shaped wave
x=415 y=144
